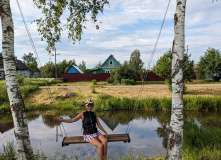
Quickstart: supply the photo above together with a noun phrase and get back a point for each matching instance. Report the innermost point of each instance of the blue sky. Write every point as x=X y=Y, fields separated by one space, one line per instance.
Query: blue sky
x=126 y=26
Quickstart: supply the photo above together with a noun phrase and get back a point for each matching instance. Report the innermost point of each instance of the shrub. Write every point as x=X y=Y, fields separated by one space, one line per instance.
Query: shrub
x=93 y=89
x=20 y=79
x=3 y=94
x=110 y=80
x=94 y=81
x=128 y=81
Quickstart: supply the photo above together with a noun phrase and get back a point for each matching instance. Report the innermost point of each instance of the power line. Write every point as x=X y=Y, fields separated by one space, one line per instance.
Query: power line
x=35 y=52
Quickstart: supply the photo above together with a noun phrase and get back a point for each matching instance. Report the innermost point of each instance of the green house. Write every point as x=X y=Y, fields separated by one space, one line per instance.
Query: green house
x=109 y=65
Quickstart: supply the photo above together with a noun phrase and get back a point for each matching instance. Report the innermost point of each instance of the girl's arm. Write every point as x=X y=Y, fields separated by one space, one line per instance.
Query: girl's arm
x=79 y=116
x=101 y=128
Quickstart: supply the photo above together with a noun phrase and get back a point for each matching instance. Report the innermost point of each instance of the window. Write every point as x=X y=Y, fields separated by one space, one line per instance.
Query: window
x=94 y=72
x=111 y=62
x=107 y=71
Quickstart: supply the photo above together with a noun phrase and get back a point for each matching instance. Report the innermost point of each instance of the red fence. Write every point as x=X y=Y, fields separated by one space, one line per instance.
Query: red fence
x=153 y=77
x=75 y=77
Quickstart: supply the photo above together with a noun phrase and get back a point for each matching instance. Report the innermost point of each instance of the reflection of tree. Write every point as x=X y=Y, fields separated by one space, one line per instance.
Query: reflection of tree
x=193 y=135
x=32 y=116
x=206 y=119
x=163 y=133
x=4 y=127
x=6 y=117
x=50 y=121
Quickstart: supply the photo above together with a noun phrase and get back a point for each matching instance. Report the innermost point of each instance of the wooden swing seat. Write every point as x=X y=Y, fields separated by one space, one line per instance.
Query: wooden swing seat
x=111 y=138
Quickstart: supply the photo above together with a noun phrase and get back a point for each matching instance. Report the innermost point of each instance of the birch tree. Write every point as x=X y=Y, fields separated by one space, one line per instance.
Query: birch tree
x=51 y=19
x=175 y=139
x=15 y=98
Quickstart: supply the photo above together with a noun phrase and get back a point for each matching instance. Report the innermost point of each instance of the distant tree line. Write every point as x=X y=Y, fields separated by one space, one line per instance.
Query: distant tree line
x=209 y=67
x=48 y=70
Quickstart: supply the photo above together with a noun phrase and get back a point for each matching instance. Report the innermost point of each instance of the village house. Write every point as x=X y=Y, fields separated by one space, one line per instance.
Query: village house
x=74 y=69
x=21 y=69
x=109 y=65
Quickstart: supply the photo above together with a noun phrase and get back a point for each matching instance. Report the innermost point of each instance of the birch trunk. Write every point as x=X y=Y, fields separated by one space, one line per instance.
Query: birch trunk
x=175 y=139
x=16 y=102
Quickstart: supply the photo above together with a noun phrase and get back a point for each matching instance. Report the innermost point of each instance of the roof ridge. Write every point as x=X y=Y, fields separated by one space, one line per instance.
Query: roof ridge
x=107 y=59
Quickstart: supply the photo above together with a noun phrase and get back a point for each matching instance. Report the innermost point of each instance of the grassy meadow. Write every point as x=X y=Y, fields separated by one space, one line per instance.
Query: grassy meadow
x=155 y=96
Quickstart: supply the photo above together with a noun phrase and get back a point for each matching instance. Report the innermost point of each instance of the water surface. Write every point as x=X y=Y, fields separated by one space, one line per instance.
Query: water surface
x=148 y=132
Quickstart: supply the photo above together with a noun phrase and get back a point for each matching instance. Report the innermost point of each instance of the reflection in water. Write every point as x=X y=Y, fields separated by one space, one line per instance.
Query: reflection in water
x=4 y=127
x=149 y=131
x=50 y=121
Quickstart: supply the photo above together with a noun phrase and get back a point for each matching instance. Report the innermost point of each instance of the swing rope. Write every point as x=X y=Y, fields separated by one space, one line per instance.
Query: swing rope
x=36 y=54
x=142 y=85
x=146 y=74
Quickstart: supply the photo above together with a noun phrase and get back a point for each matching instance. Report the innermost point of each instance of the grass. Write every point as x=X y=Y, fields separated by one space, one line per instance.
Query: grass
x=201 y=142
x=106 y=102
x=152 y=98
x=30 y=85
x=10 y=153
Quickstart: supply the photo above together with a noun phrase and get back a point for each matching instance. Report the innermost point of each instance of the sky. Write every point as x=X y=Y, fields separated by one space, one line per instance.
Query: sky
x=126 y=26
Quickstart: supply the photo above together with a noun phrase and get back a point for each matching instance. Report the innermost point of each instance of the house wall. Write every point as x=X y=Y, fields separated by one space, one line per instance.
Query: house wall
x=2 y=75
x=97 y=71
x=76 y=77
x=72 y=70
x=28 y=74
x=24 y=73
x=107 y=63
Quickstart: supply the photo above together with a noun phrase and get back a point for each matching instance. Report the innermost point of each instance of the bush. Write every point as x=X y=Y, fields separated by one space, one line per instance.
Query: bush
x=128 y=81
x=93 y=89
x=3 y=94
x=94 y=81
x=110 y=80
x=20 y=79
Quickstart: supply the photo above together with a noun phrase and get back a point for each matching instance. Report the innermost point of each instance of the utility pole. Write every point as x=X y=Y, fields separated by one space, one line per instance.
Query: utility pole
x=55 y=63
x=187 y=50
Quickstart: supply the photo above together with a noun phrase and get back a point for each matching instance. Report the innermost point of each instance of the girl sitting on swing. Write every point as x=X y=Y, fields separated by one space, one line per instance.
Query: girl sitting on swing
x=90 y=132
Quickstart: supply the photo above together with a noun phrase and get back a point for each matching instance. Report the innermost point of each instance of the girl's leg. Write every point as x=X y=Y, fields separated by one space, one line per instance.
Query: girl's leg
x=96 y=142
x=104 y=141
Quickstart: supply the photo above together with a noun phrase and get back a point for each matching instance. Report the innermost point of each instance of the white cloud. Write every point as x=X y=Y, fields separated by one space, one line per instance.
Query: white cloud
x=126 y=25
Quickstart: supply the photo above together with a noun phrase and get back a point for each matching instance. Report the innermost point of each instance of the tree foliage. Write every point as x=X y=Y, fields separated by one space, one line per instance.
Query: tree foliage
x=50 y=25
x=135 y=62
x=123 y=72
x=0 y=54
x=82 y=66
x=164 y=64
x=30 y=61
x=210 y=64
x=48 y=70
x=63 y=66
x=98 y=65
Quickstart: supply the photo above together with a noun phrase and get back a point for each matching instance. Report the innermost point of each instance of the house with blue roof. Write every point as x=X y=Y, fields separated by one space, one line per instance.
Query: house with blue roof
x=74 y=69
x=109 y=65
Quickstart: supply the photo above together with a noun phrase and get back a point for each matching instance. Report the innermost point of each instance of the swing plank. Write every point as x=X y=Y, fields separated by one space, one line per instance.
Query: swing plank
x=111 y=138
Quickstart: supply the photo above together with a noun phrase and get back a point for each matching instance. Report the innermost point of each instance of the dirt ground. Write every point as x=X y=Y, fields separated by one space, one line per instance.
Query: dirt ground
x=161 y=91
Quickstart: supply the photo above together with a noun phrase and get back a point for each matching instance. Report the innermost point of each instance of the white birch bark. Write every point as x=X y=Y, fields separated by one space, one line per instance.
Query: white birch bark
x=175 y=139
x=16 y=101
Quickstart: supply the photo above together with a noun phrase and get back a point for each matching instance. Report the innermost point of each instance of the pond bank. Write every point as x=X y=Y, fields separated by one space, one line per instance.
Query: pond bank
x=106 y=102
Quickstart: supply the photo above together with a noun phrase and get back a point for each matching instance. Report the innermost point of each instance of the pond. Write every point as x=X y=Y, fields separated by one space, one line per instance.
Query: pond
x=148 y=132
